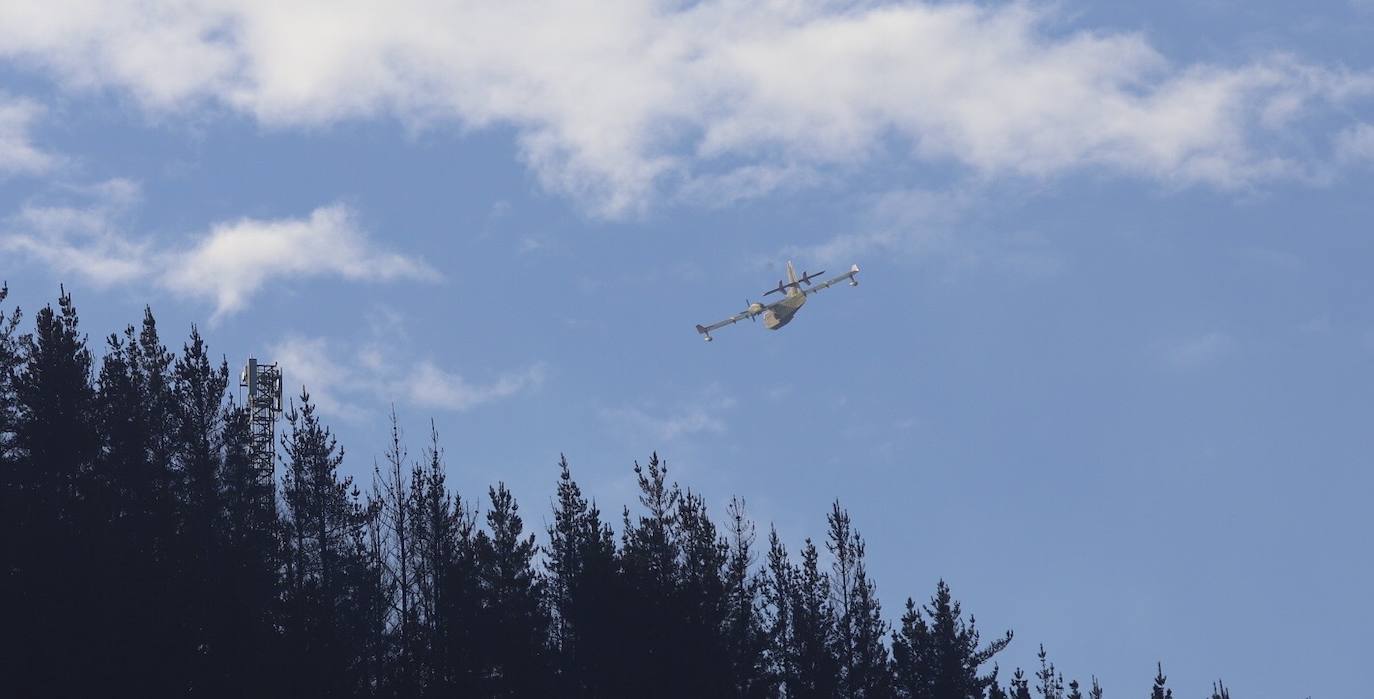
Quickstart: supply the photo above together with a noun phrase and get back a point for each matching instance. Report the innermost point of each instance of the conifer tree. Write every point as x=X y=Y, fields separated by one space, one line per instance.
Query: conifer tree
x=1020 y=685
x=779 y=583
x=700 y=655
x=435 y=532
x=1219 y=691
x=935 y=654
x=746 y=639
x=10 y=360
x=1074 y=692
x=813 y=629
x=859 y=624
x=146 y=596
x=324 y=528
x=581 y=564
x=195 y=397
x=251 y=565
x=459 y=614
x=995 y=691
x=1096 y=691
x=59 y=509
x=514 y=628
x=10 y=500
x=1050 y=684
x=395 y=550
x=1160 y=691
x=13 y=505
x=650 y=553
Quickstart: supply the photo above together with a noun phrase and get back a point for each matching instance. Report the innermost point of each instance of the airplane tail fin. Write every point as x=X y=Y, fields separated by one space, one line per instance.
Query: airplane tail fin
x=795 y=288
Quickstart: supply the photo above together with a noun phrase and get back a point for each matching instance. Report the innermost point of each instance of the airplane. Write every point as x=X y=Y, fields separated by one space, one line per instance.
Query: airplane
x=780 y=312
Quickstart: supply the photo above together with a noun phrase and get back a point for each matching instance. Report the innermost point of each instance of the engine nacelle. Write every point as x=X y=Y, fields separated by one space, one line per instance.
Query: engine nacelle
x=853 y=282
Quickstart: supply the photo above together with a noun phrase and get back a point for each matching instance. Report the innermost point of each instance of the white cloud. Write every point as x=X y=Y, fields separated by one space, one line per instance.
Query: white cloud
x=1356 y=143
x=1193 y=352
x=691 y=417
x=18 y=155
x=84 y=241
x=428 y=385
x=235 y=259
x=342 y=386
x=228 y=264
x=307 y=362
x=906 y=221
x=616 y=101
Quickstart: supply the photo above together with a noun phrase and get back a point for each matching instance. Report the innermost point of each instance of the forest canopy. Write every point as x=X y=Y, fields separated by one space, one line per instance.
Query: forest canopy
x=145 y=555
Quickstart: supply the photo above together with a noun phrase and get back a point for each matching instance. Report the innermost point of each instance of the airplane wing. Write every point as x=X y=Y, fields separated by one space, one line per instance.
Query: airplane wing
x=850 y=276
x=753 y=310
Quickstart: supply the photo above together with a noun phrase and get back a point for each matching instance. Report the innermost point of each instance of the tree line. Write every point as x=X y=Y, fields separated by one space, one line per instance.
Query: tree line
x=144 y=556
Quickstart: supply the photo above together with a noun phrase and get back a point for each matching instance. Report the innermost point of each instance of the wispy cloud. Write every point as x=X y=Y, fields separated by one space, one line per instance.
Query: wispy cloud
x=704 y=414
x=344 y=383
x=227 y=265
x=309 y=363
x=1356 y=143
x=18 y=154
x=85 y=241
x=428 y=385
x=615 y=103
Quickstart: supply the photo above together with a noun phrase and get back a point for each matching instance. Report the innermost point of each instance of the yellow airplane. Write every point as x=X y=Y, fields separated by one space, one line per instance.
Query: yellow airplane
x=780 y=312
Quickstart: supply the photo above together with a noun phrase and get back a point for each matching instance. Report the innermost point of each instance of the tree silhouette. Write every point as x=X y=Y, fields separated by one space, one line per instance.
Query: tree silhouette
x=144 y=554
x=936 y=654
x=1159 y=691
x=514 y=625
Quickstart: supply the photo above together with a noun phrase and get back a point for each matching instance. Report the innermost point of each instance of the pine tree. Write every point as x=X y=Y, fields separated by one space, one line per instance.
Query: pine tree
x=813 y=629
x=515 y=628
x=435 y=532
x=650 y=553
x=1050 y=684
x=859 y=624
x=324 y=527
x=1020 y=686
x=59 y=511
x=10 y=360
x=458 y=614
x=395 y=555
x=13 y=504
x=995 y=691
x=1219 y=691
x=195 y=397
x=700 y=657
x=779 y=584
x=146 y=601
x=746 y=639
x=251 y=565
x=582 y=583
x=936 y=655
x=1160 y=691
x=1074 y=692
x=1096 y=691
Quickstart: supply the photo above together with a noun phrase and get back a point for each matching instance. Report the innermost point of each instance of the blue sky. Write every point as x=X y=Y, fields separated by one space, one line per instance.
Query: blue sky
x=1108 y=372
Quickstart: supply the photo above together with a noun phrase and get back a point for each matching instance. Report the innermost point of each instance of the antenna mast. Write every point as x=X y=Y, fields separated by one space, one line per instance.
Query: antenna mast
x=263 y=382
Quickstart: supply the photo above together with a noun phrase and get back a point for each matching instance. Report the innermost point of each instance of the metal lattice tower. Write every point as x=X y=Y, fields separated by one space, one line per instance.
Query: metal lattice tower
x=263 y=406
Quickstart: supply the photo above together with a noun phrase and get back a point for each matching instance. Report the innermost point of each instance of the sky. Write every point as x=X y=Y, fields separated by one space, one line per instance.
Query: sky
x=1108 y=372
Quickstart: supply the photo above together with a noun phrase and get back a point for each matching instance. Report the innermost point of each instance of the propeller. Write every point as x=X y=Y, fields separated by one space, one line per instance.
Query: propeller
x=749 y=306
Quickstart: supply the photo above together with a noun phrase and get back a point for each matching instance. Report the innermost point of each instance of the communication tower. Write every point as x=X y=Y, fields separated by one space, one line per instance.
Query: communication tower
x=263 y=406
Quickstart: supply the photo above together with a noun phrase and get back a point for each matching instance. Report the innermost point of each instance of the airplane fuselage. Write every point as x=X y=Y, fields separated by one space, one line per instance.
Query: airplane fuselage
x=780 y=313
